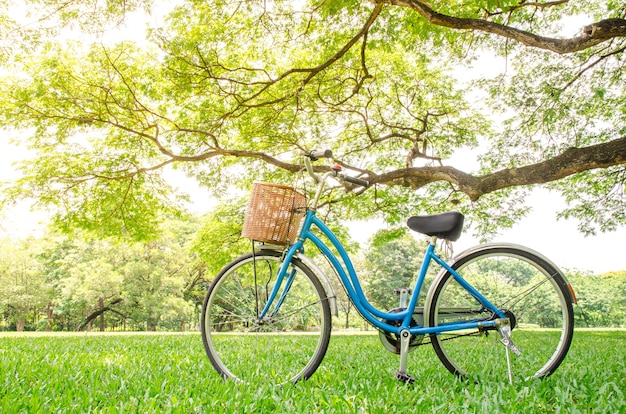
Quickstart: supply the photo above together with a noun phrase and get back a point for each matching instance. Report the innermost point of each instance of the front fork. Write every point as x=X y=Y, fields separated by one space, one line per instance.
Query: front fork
x=266 y=314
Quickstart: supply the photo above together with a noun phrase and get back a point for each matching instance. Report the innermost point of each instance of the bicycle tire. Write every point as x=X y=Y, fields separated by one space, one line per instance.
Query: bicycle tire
x=535 y=296
x=289 y=346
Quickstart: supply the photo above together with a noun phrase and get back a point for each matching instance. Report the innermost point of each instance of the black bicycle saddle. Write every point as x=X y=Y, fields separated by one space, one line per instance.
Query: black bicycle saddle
x=447 y=226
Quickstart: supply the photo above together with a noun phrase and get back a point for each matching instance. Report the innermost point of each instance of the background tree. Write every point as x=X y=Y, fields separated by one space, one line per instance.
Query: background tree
x=219 y=239
x=392 y=261
x=53 y=258
x=226 y=90
x=155 y=287
x=601 y=298
x=127 y=285
x=24 y=292
x=60 y=283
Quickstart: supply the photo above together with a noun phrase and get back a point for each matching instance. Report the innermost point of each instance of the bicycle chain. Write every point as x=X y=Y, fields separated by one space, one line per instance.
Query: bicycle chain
x=451 y=338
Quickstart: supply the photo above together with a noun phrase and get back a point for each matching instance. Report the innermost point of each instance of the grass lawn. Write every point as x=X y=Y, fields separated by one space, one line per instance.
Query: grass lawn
x=171 y=373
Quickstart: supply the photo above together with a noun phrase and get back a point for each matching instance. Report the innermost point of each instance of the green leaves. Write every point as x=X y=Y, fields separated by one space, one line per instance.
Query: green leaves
x=229 y=91
x=331 y=8
x=92 y=128
x=600 y=297
x=219 y=240
x=23 y=284
x=393 y=261
x=72 y=281
x=596 y=199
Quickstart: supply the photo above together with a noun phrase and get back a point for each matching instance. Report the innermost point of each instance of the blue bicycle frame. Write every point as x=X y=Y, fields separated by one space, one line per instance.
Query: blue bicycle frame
x=355 y=292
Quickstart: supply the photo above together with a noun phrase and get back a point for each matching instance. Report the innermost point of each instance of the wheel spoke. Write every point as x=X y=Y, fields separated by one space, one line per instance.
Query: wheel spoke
x=287 y=346
x=524 y=294
x=529 y=291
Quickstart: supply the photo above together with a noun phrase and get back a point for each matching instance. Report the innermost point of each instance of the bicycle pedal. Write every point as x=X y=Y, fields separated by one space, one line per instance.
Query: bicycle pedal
x=404 y=377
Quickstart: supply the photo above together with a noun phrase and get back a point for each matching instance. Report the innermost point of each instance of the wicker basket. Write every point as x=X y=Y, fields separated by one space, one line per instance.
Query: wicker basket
x=274 y=213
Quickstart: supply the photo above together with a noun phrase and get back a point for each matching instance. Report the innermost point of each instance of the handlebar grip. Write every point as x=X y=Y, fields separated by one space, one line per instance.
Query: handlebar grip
x=317 y=154
x=356 y=181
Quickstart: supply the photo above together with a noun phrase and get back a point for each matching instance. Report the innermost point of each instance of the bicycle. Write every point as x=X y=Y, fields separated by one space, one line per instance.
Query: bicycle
x=267 y=314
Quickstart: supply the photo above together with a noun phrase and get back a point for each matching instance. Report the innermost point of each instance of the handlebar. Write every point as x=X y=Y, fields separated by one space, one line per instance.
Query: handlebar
x=336 y=171
x=355 y=180
x=317 y=154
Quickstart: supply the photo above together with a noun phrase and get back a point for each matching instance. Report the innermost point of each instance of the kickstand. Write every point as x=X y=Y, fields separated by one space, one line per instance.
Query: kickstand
x=504 y=328
x=508 y=364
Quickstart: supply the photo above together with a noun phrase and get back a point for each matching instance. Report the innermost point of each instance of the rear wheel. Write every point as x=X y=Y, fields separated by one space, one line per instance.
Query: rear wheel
x=533 y=295
x=285 y=346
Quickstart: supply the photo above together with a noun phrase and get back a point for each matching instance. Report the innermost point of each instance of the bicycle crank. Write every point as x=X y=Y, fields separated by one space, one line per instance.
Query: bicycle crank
x=391 y=341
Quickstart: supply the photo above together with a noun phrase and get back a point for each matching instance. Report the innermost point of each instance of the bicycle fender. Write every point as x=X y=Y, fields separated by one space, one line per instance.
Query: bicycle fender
x=483 y=247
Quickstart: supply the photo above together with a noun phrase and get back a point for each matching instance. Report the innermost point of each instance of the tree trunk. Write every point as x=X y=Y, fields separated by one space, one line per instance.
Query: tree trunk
x=98 y=313
x=50 y=316
x=101 y=304
x=19 y=324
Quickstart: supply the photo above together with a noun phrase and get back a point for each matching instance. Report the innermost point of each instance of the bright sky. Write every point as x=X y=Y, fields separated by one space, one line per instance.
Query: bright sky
x=558 y=240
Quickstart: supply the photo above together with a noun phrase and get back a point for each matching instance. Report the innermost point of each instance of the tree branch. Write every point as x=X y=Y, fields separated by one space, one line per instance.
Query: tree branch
x=591 y=35
x=99 y=312
x=571 y=161
x=313 y=71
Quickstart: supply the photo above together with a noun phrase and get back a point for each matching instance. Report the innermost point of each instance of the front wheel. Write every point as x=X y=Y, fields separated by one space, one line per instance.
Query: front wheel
x=532 y=294
x=288 y=344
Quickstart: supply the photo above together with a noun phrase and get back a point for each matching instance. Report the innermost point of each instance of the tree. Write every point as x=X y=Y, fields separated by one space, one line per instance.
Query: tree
x=219 y=239
x=224 y=90
x=149 y=285
x=54 y=257
x=392 y=262
x=23 y=288
x=601 y=298
x=93 y=283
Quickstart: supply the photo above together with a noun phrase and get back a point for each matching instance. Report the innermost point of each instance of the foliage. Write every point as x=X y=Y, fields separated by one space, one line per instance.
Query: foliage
x=229 y=91
x=123 y=285
x=23 y=284
x=390 y=265
x=601 y=298
x=171 y=373
x=219 y=240
x=62 y=284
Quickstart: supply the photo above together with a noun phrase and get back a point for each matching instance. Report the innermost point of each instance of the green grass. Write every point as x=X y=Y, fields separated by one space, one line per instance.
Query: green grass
x=171 y=373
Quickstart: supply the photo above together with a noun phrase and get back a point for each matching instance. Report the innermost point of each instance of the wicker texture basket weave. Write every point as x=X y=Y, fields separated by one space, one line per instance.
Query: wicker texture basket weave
x=274 y=213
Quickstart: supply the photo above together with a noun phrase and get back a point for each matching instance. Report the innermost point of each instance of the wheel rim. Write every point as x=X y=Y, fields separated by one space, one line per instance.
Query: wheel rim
x=521 y=285
x=285 y=347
